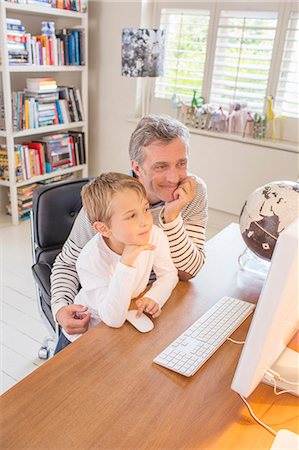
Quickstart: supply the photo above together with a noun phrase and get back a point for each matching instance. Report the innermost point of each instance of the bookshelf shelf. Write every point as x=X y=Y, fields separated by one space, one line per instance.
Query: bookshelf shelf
x=42 y=11
x=48 y=129
x=13 y=80
x=50 y=175
x=29 y=69
x=4 y=183
x=46 y=176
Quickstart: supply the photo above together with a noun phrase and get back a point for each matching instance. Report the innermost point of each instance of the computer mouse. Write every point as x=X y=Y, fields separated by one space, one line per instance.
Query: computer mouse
x=142 y=323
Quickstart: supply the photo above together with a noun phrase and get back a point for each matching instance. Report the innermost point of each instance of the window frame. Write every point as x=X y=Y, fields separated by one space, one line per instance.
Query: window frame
x=283 y=10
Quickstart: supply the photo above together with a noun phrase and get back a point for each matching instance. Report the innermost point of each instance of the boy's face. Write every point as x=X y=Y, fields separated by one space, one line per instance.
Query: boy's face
x=131 y=220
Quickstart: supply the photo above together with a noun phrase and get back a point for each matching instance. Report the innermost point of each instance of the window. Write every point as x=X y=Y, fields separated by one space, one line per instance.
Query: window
x=286 y=100
x=243 y=57
x=231 y=56
x=185 y=55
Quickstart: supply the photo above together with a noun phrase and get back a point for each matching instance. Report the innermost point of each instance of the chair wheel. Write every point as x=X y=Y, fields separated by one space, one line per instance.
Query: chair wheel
x=43 y=353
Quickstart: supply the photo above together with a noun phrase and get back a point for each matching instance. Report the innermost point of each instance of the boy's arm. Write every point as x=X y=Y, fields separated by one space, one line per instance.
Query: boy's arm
x=108 y=297
x=64 y=277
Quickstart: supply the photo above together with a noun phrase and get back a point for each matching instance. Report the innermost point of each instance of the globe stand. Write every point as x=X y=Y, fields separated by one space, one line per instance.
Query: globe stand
x=249 y=262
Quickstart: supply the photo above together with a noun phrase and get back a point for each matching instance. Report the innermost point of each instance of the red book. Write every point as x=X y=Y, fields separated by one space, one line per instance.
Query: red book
x=12 y=38
x=72 y=152
x=41 y=154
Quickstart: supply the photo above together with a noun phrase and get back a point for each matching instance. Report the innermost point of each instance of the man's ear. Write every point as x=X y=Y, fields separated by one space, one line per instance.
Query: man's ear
x=136 y=168
x=102 y=228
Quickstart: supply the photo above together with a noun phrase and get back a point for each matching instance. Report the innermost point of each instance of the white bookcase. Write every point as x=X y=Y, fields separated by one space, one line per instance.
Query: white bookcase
x=14 y=78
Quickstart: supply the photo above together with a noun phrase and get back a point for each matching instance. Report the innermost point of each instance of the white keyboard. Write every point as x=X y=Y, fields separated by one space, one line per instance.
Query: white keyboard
x=197 y=344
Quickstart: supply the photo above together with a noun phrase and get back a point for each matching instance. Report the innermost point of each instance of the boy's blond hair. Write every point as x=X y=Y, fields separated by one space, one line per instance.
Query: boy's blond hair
x=98 y=193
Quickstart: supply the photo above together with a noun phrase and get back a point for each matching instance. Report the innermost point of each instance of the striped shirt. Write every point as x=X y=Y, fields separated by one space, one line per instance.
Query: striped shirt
x=186 y=237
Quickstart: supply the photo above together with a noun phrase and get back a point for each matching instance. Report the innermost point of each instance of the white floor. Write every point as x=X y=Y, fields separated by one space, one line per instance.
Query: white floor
x=22 y=329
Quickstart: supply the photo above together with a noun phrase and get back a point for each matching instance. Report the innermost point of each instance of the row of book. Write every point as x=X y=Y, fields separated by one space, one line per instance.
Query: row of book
x=2 y=112
x=25 y=194
x=43 y=103
x=72 y=5
x=63 y=47
x=47 y=155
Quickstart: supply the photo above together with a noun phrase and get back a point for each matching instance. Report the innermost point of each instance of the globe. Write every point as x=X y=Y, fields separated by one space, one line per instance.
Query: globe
x=266 y=213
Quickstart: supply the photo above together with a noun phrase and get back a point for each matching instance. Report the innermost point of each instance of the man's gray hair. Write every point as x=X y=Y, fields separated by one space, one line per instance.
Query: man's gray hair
x=153 y=128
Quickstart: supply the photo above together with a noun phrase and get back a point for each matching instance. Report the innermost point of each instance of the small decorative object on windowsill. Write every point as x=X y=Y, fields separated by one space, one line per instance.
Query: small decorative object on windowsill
x=238 y=119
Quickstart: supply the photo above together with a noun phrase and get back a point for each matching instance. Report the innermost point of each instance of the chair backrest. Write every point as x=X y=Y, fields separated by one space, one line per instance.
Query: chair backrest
x=55 y=208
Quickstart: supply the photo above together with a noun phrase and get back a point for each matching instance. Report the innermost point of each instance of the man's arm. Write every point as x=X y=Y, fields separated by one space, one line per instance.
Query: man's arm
x=164 y=269
x=64 y=277
x=186 y=234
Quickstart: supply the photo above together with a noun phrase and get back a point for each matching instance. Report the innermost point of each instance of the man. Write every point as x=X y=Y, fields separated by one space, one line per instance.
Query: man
x=159 y=150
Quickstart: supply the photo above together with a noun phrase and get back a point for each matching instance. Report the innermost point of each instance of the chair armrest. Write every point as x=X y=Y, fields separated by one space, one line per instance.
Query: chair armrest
x=41 y=273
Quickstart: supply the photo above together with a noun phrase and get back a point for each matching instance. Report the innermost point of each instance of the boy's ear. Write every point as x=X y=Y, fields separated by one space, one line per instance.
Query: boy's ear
x=102 y=228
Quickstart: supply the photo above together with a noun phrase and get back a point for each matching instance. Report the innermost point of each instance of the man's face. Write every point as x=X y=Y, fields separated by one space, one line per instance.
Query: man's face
x=164 y=167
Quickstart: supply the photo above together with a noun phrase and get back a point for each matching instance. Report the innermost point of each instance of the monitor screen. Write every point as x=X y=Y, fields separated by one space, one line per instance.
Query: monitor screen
x=275 y=321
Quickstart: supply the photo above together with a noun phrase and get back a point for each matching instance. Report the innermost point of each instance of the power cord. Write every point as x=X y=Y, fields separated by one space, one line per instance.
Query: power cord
x=235 y=342
x=275 y=376
x=256 y=418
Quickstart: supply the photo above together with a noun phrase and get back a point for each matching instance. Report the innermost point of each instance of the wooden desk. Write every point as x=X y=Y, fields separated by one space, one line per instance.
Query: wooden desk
x=104 y=392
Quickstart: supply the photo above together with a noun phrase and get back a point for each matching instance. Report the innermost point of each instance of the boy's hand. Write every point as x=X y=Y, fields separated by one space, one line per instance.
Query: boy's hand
x=131 y=252
x=149 y=306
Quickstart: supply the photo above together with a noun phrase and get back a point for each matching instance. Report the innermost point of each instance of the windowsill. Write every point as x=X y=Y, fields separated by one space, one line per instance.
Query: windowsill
x=287 y=146
x=278 y=144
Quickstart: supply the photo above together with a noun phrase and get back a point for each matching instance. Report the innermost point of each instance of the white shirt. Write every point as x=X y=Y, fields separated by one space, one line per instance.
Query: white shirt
x=108 y=285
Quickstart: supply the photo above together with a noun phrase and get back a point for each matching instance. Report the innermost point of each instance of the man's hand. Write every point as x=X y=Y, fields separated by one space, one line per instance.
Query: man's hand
x=149 y=306
x=131 y=252
x=183 y=195
x=69 y=320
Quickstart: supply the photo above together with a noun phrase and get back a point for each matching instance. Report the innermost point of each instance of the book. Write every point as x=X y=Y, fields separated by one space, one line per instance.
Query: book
x=41 y=85
x=79 y=103
x=39 y=147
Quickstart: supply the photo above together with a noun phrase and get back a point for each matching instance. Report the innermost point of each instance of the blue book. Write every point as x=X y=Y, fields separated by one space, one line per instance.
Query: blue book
x=77 y=47
x=71 y=42
x=59 y=112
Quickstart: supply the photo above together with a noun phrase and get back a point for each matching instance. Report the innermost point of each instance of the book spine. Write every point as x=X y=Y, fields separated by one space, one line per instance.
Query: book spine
x=71 y=42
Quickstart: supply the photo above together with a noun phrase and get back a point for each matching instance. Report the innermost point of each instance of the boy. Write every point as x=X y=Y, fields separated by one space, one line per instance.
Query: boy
x=115 y=265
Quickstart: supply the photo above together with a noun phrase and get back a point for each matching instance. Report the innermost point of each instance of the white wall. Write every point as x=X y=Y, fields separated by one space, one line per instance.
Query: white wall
x=231 y=169
x=111 y=96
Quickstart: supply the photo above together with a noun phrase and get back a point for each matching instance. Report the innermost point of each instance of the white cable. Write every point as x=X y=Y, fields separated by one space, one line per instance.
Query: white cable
x=235 y=342
x=285 y=391
x=255 y=418
x=276 y=375
x=288 y=382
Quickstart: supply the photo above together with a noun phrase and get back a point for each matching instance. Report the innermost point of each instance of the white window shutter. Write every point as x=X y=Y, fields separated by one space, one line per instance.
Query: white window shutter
x=242 y=58
x=286 y=99
x=185 y=55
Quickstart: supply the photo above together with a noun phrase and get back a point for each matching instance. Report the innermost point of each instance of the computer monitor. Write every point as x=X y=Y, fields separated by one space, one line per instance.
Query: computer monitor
x=275 y=321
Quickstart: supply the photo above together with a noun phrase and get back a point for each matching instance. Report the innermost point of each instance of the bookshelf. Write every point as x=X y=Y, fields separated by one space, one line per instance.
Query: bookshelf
x=13 y=79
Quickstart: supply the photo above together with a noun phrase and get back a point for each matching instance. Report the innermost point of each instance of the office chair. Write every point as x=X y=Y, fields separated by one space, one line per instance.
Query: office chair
x=54 y=210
